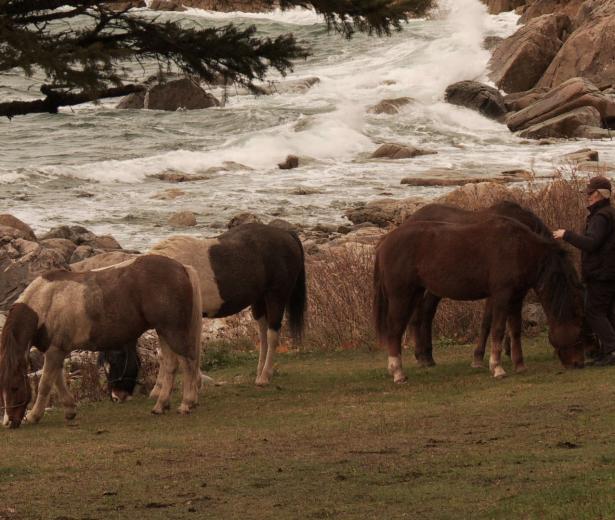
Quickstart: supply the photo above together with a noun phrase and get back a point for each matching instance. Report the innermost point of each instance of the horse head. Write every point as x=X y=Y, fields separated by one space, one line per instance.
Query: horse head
x=16 y=394
x=122 y=371
x=569 y=342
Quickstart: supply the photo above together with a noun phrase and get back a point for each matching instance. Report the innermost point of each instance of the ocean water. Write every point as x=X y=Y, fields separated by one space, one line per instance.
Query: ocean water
x=94 y=165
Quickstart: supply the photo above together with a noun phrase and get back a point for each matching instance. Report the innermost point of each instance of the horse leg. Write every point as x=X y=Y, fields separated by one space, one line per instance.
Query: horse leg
x=258 y=313
x=485 y=328
x=274 y=312
x=400 y=308
x=66 y=398
x=54 y=363
x=191 y=383
x=423 y=350
x=497 y=335
x=514 y=327
x=155 y=392
x=166 y=374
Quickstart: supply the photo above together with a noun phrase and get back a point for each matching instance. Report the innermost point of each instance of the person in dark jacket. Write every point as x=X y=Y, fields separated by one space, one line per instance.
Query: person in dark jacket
x=597 y=245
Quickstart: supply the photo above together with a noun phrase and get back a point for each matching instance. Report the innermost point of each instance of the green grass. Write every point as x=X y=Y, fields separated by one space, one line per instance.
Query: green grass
x=333 y=437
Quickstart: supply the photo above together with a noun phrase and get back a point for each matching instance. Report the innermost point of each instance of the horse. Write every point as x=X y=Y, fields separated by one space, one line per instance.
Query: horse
x=251 y=265
x=497 y=258
x=62 y=311
x=426 y=310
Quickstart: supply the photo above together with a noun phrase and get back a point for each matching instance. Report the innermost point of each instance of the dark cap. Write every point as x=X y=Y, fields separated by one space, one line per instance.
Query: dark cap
x=598 y=183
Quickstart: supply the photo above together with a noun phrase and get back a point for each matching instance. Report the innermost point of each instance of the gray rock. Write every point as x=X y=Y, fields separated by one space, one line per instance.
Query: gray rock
x=398 y=151
x=571 y=124
x=477 y=96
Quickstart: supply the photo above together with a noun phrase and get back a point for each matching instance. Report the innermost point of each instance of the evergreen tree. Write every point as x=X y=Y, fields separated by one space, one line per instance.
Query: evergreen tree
x=83 y=47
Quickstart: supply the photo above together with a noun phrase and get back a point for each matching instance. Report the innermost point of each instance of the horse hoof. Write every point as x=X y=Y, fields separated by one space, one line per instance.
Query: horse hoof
x=426 y=363
x=261 y=381
x=32 y=419
x=400 y=380
x=477 y=364
x=157 y=410
x=69 y=416
x=519 y=369
x=499 y=373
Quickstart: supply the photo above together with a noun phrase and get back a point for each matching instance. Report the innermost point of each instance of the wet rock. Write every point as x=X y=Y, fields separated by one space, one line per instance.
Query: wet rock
x=390 y=106
x=105 y=242
x=182 y=219
x=8 y=233
x=292 y=161
x=169 y=194
x=283 y=224
x=11 y=221
x=82 y=252
x=541 y=7
x=184 y=94
x=491 y=42
x=21 y=261
x=76 y=234
x=398 y=151
x=175 y=176
x=520 y=100
x=122 y=6
x=477 y=96
x=572 y=124
x=570 y=95
x=589 y=50
x=586 y=154
x=293 y=86
x=243 y=218
x=62 y=245
x=518 y=63
x=594 y=133
x=384 y=212
x=305 y=190
x=246 y=6
x=166 y=5
x=500 y=6
x=101 y=260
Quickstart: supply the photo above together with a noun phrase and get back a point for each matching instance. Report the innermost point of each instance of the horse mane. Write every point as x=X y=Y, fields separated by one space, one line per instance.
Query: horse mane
x=559 y=285
x=17 y=335
x=527 y=217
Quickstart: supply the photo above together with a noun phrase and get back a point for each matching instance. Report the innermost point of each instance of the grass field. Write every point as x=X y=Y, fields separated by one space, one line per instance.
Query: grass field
x=333 y=438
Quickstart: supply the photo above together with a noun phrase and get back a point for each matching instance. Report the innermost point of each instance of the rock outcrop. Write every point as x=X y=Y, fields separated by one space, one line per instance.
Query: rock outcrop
x=390 y=106
x=519 y=62
x=573 y=94
x=576 y=123
x=399 y=151
x=477 y=96
x=181 y=94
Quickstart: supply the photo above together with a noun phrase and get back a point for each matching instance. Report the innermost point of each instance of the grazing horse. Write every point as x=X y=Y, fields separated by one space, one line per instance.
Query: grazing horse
x=497 y=258
x=427 y=309
x=97 y=310
x=251 y=265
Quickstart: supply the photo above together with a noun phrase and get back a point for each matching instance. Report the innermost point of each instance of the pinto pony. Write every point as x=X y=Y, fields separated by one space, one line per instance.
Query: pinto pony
x=98 y=310
x=496 y=258
x=251 y=265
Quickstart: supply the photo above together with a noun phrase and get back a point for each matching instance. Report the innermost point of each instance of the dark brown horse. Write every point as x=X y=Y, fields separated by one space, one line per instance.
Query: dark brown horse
x=497 y=258
x=251 y=265
x=98 y=310
x=425 y=312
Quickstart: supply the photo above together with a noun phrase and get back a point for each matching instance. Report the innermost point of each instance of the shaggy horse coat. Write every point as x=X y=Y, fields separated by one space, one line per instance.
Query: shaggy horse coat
x=497 y=258
x=251 y=265
x=98 y=310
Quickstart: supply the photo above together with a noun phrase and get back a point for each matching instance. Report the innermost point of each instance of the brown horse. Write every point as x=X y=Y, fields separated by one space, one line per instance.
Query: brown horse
x=98 y=310
x=426 y=310
x=251 y=265
x=497 y=258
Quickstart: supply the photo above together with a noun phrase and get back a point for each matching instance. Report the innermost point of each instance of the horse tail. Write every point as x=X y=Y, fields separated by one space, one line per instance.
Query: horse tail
x=196 y=321
x=381 y=301
x=17 y=336
x=297 y=304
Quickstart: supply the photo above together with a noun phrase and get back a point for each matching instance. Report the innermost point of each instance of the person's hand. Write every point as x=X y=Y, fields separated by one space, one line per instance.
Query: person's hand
x=558 y=234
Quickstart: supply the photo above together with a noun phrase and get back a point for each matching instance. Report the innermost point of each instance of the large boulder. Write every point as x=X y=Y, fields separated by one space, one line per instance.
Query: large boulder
x=399 y=151
x=542 y=7
x=384 y=212
x=576 y=123
x=477 y=96
x=499 y=6
x=21 y=261
x=184 y=94
x=573 y=94
x=13 y=222
x=390 y=106
x=589 y=52
x=519 y=62
x=246 y=6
